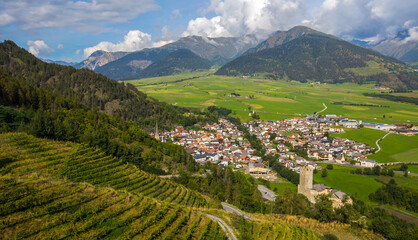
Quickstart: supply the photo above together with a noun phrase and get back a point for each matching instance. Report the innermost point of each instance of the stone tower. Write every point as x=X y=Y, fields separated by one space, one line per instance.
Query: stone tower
x=157 y=134
x=305 y=180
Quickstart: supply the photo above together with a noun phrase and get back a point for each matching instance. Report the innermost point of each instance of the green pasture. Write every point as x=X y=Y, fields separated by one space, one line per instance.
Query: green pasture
x=275 y=100
x=280 y=185
x=397 y=148
x=359 y=186
x=340 y=178
x=363 y=135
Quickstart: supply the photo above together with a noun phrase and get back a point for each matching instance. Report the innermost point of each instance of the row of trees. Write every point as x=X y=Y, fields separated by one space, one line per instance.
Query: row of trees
x=377 y=170
x=396 y=195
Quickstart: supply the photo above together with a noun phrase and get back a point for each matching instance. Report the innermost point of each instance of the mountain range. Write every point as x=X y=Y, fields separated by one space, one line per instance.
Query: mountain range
x=222 y=51
x=122 y=65
x=305 y=54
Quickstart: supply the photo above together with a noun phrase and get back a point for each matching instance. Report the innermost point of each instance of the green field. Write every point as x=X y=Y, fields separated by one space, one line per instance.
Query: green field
x=363 y=135
x=397 y=148
x=340 y=178
x=359 y=186
x=275 y=100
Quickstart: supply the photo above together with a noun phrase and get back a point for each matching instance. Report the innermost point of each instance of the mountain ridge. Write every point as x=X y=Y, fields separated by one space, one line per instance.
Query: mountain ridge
x=321 y=57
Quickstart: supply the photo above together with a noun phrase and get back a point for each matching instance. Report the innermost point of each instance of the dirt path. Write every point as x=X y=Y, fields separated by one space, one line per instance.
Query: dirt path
x=325 y=108
x=378 y=140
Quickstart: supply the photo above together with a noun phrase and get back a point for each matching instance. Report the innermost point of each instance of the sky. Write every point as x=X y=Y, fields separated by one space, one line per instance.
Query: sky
x=70 y=30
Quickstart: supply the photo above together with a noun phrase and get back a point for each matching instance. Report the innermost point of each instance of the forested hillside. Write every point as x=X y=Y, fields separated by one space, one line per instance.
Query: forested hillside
x=49 y=115
x=180 y=61
x=89 y=88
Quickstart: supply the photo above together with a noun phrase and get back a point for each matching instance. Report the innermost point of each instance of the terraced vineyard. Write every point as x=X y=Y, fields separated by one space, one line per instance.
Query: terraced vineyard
x=274 y=230
x=47 y=209
x=26 y=156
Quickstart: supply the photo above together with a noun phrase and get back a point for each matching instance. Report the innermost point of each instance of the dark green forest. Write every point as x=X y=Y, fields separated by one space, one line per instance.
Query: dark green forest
x=182 y=60
x=91 y=89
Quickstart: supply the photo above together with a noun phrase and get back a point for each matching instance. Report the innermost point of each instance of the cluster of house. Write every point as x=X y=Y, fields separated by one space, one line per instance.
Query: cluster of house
x=310 y=133
x=222 y=143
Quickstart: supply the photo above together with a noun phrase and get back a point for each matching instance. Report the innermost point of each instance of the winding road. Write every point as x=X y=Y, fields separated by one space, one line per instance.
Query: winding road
x=378 y=140
x=325 y=108
x=233 y=209
x=225 y=227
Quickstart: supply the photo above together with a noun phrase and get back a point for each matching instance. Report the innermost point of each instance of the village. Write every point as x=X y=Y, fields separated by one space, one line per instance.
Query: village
x=223 y=144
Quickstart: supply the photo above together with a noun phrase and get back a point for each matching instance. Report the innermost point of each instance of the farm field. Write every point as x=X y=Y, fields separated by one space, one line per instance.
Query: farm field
x=340 y=178
x=38 y=201
x=276 y=100
x=78 y=163
x=397 y=148
x=359 y=186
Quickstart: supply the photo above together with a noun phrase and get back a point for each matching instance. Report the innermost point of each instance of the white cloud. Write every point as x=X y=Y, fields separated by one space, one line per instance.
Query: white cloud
x=240 y=17
x=413 y=35
x=82 y=15
x=60 y=46
x=134 y=40
x=373 y=20
x=77 y=51
x=39 y=48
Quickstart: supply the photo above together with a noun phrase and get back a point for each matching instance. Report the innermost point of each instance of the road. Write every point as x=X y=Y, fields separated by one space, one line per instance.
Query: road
x=225 y=227
x=325 y=108
x=378 y=140
x=267 y=193
x=233 y=209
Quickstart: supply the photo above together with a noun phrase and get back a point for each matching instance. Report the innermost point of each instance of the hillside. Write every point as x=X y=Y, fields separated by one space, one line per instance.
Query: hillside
x=89 y=88
x=56 y=190
x=130 y=66
x=281 y=37
x=216 y=51
x=179 y=61
x=64 y=190
x=320 y=57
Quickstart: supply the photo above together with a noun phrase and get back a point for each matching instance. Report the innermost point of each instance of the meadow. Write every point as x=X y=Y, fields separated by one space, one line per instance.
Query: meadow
x=275 y=100
x=359 y=186
x=397 y=148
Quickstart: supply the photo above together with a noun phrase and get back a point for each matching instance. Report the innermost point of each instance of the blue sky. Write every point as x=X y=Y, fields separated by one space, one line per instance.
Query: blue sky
x=70 y=30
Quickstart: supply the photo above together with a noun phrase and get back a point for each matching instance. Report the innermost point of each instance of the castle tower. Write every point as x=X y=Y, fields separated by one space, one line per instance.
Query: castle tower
x=305 y=181
x=157 y=135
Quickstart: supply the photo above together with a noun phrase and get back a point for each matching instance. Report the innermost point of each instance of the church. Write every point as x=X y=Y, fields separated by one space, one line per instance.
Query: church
x=307 y=188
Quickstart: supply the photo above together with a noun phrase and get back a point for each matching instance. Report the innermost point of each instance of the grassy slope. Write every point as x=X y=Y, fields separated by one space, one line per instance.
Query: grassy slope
x=340 y=178
x=363 y=135
x=397 y=148
x=359 y=186
x=273 y=97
